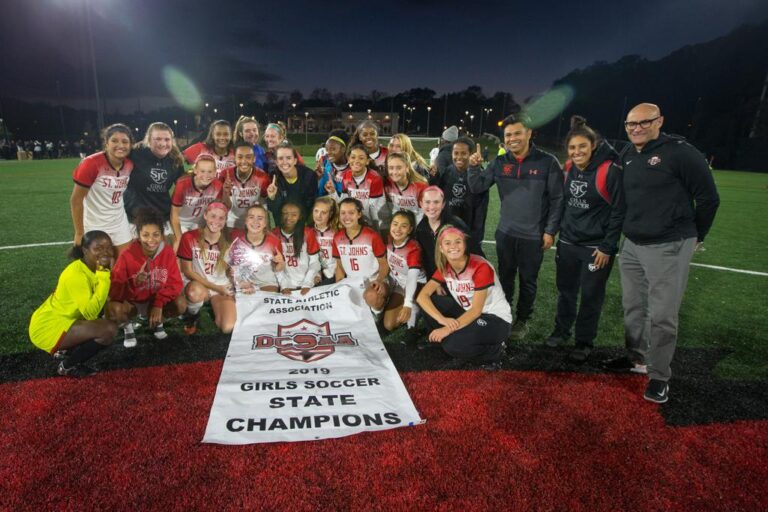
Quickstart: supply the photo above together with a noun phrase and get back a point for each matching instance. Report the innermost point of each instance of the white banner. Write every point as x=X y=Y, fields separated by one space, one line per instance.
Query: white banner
x=306 y=367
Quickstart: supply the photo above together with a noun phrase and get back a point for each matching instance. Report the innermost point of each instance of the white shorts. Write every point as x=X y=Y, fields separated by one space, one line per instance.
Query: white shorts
x=119 y=232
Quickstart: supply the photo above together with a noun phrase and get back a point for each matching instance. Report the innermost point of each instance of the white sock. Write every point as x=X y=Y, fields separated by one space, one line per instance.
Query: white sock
x=414 y=316
x=193 y=308
x=128 y=328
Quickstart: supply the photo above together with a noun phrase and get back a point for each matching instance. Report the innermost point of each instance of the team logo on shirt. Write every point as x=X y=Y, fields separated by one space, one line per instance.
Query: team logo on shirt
x=304 y=341
x=578 y=188
x=459 y=189
x=159 y=176
x=654 y=160
x=507 y=169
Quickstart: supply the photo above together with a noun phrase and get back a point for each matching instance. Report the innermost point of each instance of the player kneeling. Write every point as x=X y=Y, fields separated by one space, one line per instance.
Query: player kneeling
x=146 y=280
x=473 y=321
x=361 y=255
x=406 y=274
x=205 y=271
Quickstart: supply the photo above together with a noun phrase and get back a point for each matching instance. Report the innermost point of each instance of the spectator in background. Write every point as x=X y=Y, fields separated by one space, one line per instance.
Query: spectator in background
x=443 y=156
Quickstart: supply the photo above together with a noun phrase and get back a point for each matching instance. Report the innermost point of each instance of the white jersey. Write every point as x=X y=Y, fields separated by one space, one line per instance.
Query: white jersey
x=300 y=269
x=203 y=261
x=359 y=256
x=253 y=263
x=478 y=274
x=325 y=241
x=103 y=207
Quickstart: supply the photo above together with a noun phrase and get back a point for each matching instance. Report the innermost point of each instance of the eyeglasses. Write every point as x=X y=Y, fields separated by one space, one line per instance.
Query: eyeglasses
x=645 y=123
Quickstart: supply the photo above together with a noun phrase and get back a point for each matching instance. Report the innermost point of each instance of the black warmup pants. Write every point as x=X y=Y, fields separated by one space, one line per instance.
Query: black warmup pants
x=574 y=274
x=523 y=257
x=481 y=341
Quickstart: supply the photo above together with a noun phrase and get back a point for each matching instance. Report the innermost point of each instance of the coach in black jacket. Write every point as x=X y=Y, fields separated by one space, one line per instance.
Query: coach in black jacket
x=671 y=201
x=530 y=185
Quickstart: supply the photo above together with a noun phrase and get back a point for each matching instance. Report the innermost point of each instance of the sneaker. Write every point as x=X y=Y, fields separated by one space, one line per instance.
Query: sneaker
x=78 y=370
x=60 y=355
x=160 y=333
x=190 y=323
x=657 y=391
x=139 y=321
x=519 y=330
x=579 y=354
x=130 y=340
x=624 y=364
x=555 y=340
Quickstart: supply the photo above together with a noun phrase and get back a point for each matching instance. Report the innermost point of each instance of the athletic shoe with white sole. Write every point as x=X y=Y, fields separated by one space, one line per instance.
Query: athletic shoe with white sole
x=130 y=340
x=160 y=333
x=60 y=355
x=657 y=391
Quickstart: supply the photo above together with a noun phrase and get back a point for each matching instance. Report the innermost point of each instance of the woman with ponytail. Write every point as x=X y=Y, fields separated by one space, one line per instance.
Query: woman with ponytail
x=589 y=234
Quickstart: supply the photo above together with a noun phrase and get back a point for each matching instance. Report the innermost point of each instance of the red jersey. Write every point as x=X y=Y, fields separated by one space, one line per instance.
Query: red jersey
x=103 y=205
x=403 y=258
x=359 y=255
x=162 y=283
x=380 y=158
x=193 y=201
x=253 y=263
x=478 y=274
x=245 y=193
x=222 y=162
x=405 y=199
x=369 y=190
x=203 y=260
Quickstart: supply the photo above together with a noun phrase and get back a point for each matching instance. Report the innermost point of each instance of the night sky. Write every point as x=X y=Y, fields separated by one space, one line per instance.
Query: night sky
x=238 y=47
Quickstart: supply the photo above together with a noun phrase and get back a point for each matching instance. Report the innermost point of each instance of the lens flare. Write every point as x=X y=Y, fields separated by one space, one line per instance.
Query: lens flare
x=549 y=105
x=182 y=89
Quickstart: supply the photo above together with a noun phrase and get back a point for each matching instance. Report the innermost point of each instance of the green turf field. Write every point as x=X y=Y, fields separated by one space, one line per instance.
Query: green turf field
x=722 y=309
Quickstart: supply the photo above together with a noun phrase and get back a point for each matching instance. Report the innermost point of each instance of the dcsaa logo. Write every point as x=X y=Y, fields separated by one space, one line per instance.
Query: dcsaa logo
x=578 y=188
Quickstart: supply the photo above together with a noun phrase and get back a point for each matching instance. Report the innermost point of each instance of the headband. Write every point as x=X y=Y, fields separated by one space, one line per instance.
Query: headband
x=217 y=205
x=275 y=127
x=433 y=188
x=451 y=230
x=337 y=139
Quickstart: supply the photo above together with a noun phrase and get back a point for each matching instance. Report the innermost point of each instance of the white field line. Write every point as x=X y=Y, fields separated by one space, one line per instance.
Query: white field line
x=493 y=242
x=714 y=267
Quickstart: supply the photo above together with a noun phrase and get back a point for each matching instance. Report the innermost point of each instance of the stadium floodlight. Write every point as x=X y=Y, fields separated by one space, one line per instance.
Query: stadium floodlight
x=429 y=113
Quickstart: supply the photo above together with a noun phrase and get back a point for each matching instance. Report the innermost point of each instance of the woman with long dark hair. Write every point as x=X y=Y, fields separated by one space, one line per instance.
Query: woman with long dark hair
x=589 y=236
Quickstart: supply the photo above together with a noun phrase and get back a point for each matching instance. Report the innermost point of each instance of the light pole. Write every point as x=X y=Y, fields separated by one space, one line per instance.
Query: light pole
x=99 y=113
x=471 y=119
x=429 y=112
x=306 y=121
x=487 y=114
x=176 y=127
x=404 y=105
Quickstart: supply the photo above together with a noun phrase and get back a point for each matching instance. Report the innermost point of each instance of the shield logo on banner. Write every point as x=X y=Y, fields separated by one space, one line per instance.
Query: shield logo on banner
x=309 y=328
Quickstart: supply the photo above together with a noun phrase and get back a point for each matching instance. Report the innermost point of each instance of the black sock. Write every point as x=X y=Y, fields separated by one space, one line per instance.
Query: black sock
x=82 y=353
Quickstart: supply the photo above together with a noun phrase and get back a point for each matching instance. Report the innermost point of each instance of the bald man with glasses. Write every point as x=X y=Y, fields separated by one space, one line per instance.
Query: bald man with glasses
x=670 y=200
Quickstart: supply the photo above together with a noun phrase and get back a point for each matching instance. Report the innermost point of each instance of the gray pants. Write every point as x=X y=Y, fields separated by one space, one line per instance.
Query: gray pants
x=653 y=281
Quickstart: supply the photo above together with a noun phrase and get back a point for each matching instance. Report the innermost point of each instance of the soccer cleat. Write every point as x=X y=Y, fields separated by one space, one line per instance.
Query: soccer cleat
x=579 y=354
x=60 y=355
x=519 y=330
x=78 y=370
x=190 y=323
x=624 y=364
x=160 y=333
x=657 y=391
x=555 y=340
x=130 y=340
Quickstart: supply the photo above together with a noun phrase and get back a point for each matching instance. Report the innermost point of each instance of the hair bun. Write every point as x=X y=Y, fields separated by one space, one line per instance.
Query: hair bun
x=578 y=122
